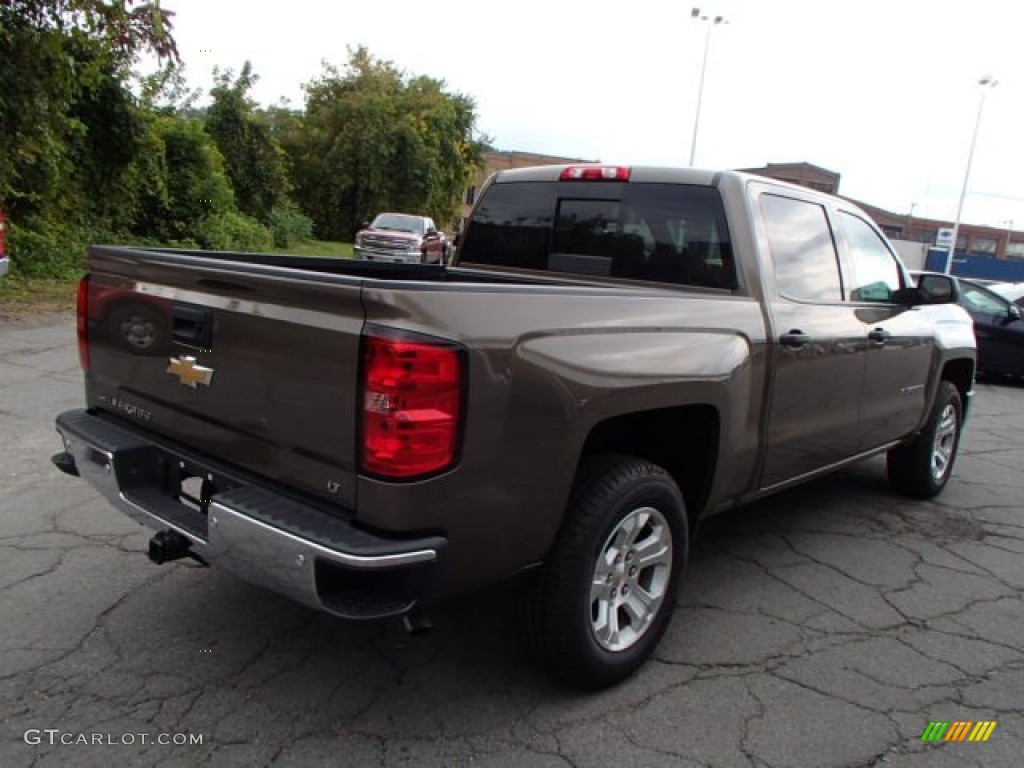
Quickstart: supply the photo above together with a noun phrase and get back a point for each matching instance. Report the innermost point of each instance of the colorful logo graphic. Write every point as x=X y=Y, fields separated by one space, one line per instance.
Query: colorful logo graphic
x=958 y=730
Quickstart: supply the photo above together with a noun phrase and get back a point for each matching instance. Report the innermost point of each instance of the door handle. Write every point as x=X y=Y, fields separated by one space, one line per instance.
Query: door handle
x=879 y=335
x=794 y=339
x=192 y=326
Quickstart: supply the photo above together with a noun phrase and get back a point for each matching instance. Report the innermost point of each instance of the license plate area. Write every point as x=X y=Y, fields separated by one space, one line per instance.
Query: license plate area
x=178 y=491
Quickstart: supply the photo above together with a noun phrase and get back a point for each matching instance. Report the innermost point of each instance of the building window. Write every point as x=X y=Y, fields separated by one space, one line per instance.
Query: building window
x=894 y=233
x=923 y=236
x=984 y=246
x=1015 y=250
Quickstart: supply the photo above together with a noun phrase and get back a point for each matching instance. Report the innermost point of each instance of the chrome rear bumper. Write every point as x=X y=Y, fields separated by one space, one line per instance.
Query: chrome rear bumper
x=299 y=549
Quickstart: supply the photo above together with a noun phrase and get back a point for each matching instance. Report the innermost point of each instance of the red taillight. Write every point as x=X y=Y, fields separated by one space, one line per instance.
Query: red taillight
x=83 y=323
x=412 y=398
x=595 y=173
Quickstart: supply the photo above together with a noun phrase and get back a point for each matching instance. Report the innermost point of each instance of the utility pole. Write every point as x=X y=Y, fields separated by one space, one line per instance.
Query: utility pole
x=696 y=14
x=986 y=82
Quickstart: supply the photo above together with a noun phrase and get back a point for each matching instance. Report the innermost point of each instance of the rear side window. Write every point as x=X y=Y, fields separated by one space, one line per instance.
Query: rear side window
x=803 y=250
x=671 y=233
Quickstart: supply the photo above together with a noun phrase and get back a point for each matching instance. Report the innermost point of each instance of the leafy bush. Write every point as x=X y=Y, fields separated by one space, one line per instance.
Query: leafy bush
x=232 y=231
x=289 y=225
x=46 y=250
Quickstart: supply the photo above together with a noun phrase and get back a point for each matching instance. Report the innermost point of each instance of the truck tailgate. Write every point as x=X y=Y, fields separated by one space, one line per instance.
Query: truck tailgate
x=252 y=364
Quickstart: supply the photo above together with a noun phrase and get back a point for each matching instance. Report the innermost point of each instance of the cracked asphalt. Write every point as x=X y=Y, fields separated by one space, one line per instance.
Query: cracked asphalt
x=824 y=627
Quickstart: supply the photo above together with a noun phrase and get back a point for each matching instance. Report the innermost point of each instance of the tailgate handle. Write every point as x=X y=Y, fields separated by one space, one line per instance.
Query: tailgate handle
x=192 y=326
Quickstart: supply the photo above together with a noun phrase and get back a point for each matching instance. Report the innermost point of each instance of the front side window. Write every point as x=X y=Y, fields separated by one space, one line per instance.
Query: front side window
x=876 y=273
x=802 y=249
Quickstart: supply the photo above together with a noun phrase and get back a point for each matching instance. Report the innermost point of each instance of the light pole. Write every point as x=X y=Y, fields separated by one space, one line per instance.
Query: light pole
x=1009 y=234
x=910 y=222
x=986 y=82
x=711 y=22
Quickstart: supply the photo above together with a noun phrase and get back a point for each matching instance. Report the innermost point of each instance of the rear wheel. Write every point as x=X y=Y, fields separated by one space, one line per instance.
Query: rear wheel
x=922 y=467
x=607 y=591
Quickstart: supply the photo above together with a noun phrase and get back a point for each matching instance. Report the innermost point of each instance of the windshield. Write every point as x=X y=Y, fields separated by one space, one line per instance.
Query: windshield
x=399 y=222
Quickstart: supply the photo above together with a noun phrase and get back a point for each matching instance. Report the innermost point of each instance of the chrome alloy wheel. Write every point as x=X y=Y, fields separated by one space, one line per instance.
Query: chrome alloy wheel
x=631 y=577
x=944 y=443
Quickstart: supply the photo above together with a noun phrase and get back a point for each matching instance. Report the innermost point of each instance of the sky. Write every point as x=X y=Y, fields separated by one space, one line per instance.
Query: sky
x=885 y=93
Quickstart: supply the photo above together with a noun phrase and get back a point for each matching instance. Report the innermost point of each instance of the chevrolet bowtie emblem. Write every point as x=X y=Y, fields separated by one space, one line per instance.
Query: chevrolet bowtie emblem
x=189 y=373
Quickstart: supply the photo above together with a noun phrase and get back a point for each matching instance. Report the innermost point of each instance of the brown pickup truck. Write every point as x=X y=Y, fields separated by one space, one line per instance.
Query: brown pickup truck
x=613 y=355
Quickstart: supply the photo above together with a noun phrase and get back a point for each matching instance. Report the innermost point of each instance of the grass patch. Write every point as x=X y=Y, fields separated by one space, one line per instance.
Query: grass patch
x=323 y=248
x=20 y=296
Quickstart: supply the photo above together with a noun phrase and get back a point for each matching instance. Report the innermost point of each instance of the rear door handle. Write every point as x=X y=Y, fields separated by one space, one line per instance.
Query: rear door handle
x=795 y=339
x=879 y=335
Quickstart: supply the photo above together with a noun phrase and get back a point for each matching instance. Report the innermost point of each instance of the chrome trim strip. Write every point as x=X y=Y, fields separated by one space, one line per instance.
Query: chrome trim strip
x=825 y=470
x=255 y=308
x=342 y=558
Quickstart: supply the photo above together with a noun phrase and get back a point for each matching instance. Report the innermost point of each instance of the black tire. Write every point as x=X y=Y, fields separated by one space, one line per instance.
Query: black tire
x=921 y=468
x=566 y=631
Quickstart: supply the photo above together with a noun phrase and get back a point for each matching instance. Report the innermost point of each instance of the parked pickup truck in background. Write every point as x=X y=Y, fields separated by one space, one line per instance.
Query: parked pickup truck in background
x=615 y=354
x=403 y=238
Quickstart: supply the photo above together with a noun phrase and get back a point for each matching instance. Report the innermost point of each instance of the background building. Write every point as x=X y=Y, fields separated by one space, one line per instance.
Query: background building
x=804 y=174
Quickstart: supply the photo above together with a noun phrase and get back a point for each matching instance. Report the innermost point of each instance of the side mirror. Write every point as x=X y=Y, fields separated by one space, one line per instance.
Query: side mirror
x=937 y=289
x=364 y=225
x=431 y=232
x=1013 y=312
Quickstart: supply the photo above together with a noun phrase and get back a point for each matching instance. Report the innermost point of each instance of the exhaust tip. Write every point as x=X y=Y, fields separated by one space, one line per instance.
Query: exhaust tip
x=65 y=462
x=168 y=545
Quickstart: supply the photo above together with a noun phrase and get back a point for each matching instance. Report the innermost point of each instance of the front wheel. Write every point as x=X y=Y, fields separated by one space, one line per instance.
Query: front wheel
x=922 y=467
x=608 y=588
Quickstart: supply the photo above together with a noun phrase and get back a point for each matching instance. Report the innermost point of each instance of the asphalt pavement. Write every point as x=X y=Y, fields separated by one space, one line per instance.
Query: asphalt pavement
x=828 y=626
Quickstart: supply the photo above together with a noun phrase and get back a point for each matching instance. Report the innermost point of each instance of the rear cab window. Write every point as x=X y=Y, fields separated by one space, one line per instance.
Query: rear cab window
x=652 y=232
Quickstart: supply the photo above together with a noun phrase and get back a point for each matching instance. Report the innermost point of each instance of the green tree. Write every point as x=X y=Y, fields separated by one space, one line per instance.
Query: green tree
x=255 y=162
x=69 y=129
x=196 y=183
x=53 y=55
x=373 y=139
